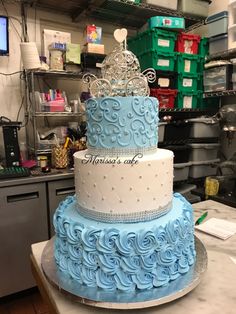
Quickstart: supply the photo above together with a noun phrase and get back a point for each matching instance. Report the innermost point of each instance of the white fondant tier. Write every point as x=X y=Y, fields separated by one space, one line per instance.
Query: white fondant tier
x=113 y=189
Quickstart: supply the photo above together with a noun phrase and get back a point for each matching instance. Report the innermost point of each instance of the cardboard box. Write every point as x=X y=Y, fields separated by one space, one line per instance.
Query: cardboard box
x=94 y=48
x=72 y=54
x=93 y=34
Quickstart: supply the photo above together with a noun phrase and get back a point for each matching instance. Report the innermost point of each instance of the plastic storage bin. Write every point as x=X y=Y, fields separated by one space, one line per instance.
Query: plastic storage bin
x=232 y=37
x=204 y=127
x=161 y=131
x=170 y=4
x=217 y=24
x=181 y=171
x=194 y=7
x=153 y=39
x=218 y=44
x=187 y=82
x=203 y=152
x=218 y=78
x=177 y=132
x=166 y=97
x=187 y=100
x=187 y=43
x=165 y=79
x=171 y=22
x=203 y=168
x=181 y=153
x=164 y=61
x=187 y=63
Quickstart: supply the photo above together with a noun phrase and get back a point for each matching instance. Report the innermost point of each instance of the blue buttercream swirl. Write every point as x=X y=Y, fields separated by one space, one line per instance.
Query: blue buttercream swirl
x=125 y=243
x=143 y=280
x=124 y=281
x=106 y=240
x=162 y=277
x=145 y=242
x=90 y=259
x=131 y=264
x=75 y=270
x=104 y=280
x=89 y=237
x=88 y=276
x=166 y=256
x=109 y=263
x=75 y=252
x=97 y=255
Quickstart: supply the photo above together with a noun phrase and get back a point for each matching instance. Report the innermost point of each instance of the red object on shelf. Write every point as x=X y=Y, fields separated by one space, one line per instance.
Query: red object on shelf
x=187 y=43
x=166 y=97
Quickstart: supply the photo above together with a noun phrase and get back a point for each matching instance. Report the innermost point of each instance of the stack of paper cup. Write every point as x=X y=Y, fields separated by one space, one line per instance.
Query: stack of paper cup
x=29 y=55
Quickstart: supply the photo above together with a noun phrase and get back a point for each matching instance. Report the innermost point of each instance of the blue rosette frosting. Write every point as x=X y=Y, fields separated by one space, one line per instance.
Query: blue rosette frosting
x=120 y=256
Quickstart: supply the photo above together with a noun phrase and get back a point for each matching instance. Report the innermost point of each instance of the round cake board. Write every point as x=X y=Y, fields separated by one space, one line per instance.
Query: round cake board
x=124 y=300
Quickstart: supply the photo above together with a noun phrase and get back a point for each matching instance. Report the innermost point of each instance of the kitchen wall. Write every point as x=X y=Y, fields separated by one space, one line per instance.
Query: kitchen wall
x=11 y=87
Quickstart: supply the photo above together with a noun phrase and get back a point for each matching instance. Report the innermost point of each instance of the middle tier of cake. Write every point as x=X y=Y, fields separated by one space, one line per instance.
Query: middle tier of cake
x=124 y=189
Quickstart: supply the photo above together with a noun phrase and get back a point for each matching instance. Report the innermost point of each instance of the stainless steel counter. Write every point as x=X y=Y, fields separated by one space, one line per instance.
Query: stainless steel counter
x=52 y=176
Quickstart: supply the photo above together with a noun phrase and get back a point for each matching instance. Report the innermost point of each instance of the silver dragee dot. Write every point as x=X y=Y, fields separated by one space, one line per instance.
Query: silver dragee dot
x=138 y=200
x=154 y=198
x=122 y=178
x=140 y=177
x=121 y=201
x=94 y=184
x=104 y=177
x=103 y=198
x=131 y=188
x=149 y=165
x=156 y=175
x=113 y=188
x=148 y=188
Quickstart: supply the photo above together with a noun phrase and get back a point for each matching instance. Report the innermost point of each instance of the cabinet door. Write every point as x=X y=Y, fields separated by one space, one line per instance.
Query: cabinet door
x=57 y=192
x=23 y=221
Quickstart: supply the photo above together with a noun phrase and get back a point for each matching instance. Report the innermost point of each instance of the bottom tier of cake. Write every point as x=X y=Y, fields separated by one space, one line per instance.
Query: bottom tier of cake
x=124 y=256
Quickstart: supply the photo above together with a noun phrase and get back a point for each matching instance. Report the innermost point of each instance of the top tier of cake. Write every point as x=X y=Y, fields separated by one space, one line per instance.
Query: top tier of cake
x=122 y=125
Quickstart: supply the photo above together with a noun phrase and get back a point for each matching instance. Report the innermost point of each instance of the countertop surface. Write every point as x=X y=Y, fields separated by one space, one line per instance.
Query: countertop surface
x=215 y=294
x=55 y=174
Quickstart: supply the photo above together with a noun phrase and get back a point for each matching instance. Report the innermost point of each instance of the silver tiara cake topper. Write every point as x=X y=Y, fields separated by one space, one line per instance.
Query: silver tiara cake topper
x=121 y=73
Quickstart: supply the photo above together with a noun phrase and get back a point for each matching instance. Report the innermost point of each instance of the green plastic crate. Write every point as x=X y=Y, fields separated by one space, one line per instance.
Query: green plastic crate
x=187 y=63
x=172 y=22
x=186 y=100
x=200 y=82
x=158 y=60
x=201 y=64
x=203 y=48
x=187 y=82
x=153 y=39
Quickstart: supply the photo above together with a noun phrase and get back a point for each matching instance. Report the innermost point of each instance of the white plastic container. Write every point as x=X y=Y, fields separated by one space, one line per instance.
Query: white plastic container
x=170 y=4
x=203 y=168
x=232 y=12
x=217 y=24
x=218 y=44
x=181 y=171
x=203 y=152
x=232 y=37
x=194 y=7
x=161 y=131
x=203 y=127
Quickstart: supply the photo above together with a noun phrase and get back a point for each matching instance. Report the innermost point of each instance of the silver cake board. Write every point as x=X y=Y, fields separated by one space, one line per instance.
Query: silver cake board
x=124 y=300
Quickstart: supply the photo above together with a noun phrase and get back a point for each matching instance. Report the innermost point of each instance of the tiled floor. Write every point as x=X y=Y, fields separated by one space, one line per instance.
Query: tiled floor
x=29 y=302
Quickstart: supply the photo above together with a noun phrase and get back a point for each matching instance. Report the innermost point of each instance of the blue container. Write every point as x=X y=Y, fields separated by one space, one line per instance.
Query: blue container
x=217 y=24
